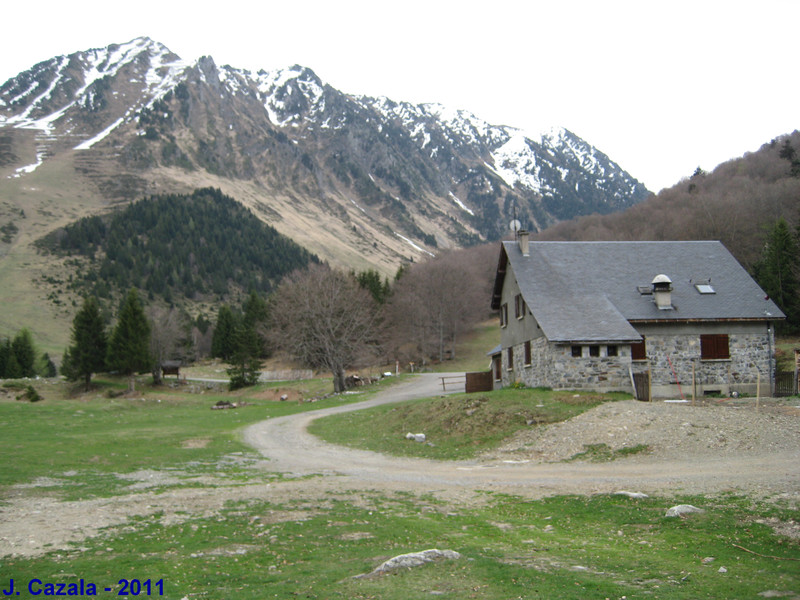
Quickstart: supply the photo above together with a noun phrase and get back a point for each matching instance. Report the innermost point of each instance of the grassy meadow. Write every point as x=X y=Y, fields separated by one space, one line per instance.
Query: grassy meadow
x=75 y=446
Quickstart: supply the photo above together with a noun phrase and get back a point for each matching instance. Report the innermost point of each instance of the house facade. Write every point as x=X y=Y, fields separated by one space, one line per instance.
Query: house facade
x=598 y=315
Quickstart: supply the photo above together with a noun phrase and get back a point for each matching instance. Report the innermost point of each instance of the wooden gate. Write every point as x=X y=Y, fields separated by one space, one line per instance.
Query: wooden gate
x=481 y=381
x=785 y=384
x=641 y=384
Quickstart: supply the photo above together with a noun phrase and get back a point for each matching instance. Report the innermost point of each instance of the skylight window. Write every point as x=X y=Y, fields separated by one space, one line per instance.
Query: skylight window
x=704 y=288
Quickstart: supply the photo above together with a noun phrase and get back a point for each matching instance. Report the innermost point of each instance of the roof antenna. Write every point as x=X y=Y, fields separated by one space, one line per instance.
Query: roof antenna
x=515 y=225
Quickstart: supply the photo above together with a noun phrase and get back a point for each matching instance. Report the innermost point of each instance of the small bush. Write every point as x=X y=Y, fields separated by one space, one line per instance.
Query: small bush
x=30 y=394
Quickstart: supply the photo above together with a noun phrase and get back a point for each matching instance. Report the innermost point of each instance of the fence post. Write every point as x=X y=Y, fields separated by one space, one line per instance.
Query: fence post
x=758 y=389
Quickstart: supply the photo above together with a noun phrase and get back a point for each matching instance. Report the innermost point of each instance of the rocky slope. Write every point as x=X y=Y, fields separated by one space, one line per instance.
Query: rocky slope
x=358 y=180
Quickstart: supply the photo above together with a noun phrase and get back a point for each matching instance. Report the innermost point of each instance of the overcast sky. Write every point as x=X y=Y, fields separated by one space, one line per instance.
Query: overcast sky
x=660 y=87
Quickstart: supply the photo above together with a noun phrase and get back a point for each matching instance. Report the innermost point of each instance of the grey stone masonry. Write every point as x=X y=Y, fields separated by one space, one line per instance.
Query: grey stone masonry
x=674 y=361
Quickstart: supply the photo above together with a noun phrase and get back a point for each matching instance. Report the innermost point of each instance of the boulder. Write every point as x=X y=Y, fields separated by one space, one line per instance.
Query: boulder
x=631 y=494
x=683 y=509
x=413 y=559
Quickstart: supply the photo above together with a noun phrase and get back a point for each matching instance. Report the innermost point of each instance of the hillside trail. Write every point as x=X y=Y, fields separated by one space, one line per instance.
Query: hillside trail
x=34 y=520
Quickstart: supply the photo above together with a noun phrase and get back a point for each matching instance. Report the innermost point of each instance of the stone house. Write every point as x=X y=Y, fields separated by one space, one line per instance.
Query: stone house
x=601 y=315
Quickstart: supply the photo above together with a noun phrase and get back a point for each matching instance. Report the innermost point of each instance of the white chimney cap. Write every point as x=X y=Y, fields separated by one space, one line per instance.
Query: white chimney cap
x=661 y=279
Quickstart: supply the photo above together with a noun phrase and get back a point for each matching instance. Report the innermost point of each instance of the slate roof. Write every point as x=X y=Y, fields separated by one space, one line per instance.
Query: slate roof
x=588 y=291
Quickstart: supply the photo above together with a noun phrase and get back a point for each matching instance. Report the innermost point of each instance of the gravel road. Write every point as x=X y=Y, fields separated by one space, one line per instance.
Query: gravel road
x=693 y=450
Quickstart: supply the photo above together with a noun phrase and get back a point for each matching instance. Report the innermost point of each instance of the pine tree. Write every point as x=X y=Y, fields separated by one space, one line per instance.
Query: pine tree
x=245 y=365
x=5 y=353
x=776 y=273
x=87 y=354
x=24 y=352
x=129 y=345
x=222 y=342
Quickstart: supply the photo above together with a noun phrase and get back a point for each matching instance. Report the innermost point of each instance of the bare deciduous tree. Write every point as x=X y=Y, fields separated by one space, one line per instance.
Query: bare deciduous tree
x=168 y=341
x=436 y=301
x=325 y=319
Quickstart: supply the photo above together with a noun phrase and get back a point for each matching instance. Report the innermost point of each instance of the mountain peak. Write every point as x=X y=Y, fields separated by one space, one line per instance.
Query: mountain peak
x=394 y=179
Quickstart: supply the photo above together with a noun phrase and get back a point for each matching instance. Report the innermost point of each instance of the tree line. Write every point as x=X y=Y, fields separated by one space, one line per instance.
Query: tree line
x=324 y=318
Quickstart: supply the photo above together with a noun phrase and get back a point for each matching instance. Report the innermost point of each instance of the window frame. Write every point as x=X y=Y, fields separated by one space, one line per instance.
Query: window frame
x=520 y=308
x=528 y=355
x=510 y=358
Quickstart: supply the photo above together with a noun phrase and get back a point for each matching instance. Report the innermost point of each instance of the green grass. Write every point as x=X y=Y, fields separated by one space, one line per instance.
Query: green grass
x=312 y=546
x=84 y=442
x=456 y=427
x=562 y=547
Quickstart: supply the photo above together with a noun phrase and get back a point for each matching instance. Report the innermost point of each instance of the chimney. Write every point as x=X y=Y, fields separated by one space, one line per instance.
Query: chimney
x=662 y=292
x=523 y=242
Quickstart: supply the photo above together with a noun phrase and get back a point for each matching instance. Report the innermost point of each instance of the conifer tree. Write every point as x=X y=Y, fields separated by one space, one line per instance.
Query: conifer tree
x=24 y=352
x=5 y=353
x=87 y=354
x=223 y=343
x=776 y=272
x=129 y=345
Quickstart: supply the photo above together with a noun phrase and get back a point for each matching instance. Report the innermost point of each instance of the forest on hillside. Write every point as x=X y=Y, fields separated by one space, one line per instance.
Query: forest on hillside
x=179 y=246
x=737 y=203
x=751 y=204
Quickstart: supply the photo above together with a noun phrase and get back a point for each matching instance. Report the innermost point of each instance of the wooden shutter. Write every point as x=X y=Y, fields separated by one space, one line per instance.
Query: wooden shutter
x=639 y=350
x=714 y=346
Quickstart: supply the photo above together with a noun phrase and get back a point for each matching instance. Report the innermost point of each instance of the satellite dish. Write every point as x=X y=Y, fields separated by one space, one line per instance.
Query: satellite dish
x=515 y=225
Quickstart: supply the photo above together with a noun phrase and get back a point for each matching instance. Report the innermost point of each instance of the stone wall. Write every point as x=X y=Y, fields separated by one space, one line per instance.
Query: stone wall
x=553 y=366
x=671 y=360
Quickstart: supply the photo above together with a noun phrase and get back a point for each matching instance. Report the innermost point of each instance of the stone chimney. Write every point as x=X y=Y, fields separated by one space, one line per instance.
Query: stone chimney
x=662 y=292
x=523 y=242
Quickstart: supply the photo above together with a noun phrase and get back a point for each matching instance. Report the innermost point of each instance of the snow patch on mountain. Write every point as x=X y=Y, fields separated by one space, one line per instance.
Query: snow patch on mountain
x=416 y=247
x=515 y=162
x=460 y=204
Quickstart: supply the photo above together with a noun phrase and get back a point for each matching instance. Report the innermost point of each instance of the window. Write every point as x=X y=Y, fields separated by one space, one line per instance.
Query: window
x=519 y=306
x=497 y=368
x=577 y=351
x=594 y=351
x=510 y=356
x=612 y=351
x=528 y=354
x=714 y=347
x=639 y=350
x=504 y=315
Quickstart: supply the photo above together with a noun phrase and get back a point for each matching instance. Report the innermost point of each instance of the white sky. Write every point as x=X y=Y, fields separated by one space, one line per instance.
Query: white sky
x=662 y=87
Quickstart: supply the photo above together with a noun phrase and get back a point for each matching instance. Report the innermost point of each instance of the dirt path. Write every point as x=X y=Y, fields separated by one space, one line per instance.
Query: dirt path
x=290 y=448
x=738 y=451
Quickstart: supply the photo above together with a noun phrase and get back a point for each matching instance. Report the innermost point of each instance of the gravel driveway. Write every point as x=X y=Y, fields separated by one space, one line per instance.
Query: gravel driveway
x=693 y=450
